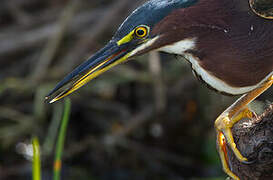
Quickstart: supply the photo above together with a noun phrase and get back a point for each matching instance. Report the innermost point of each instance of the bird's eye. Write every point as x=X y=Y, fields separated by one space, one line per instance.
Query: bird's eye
x=142 y=31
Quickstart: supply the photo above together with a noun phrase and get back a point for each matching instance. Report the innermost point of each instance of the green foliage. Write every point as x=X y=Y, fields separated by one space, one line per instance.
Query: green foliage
x=61 y=139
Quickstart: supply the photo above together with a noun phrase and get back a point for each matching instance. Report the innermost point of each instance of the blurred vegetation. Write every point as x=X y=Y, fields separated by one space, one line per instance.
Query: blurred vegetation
x=146 y=119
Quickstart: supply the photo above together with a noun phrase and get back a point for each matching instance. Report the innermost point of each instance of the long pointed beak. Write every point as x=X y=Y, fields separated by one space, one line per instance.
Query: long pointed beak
x=108 y=57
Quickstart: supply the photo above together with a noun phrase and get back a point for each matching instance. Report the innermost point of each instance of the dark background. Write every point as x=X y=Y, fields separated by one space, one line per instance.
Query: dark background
x=146 y=119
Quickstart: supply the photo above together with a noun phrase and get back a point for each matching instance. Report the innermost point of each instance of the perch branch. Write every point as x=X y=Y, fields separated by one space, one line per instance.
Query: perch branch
x=254 y=137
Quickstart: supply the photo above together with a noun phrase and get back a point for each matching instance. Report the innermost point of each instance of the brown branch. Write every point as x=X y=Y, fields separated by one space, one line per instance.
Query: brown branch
x=254 y=138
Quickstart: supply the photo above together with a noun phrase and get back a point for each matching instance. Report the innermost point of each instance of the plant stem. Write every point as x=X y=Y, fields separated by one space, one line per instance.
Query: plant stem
x=36 y=164
x=60 y=140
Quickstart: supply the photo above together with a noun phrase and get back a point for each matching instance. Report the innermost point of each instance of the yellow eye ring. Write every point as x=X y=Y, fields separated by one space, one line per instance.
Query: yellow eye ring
x=142 y=31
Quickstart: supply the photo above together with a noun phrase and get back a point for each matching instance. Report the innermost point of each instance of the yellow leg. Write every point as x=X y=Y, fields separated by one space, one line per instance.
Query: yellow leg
x=231 y=116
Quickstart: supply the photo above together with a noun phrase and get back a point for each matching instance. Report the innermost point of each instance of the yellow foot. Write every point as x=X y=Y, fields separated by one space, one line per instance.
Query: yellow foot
x=223 y=126
x=231 y=116
x=222 y=149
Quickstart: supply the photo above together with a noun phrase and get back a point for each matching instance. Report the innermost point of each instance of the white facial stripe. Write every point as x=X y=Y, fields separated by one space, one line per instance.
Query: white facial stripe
x=180 y=47
x=143 y=46
x=176 y=48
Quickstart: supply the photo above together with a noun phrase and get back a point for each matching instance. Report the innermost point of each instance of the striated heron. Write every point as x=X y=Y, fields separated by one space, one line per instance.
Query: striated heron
x=229 y=44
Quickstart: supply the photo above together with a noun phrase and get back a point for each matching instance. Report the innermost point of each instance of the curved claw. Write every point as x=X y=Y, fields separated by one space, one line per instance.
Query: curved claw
x=222 y=150
x=224 y=124
x=248 y=162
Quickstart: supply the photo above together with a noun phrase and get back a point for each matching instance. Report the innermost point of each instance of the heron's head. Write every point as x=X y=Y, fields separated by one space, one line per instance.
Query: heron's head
x=149 y=27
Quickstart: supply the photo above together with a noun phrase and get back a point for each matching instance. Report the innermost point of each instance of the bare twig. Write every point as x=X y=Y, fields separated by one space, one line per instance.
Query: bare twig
x=110 y=17
x=159 y=88
x=135 y=122
x=14 y=42
x=54 y=43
